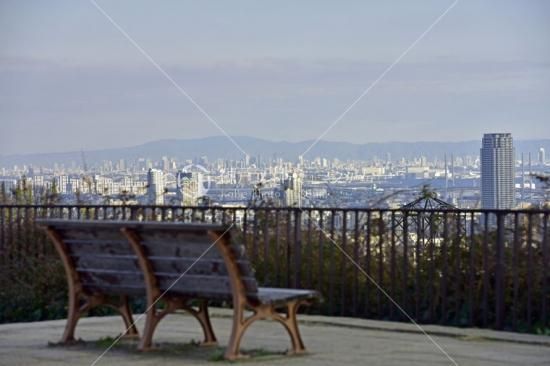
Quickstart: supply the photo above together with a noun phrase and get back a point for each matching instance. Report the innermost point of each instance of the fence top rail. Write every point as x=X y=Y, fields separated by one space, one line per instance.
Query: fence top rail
x=288 y=208
x=61 y=223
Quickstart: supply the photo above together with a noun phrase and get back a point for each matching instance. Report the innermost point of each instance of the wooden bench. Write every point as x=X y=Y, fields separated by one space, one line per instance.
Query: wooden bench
x=130 y=258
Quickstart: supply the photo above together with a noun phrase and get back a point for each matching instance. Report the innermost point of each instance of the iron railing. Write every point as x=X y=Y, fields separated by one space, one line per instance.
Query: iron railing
x=458 y=267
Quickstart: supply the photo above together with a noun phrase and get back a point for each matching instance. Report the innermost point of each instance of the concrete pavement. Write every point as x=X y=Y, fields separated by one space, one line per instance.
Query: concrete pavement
x=330 y=341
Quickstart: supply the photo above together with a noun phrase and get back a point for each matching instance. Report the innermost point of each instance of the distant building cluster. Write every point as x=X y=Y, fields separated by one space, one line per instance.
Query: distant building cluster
x=497 y=177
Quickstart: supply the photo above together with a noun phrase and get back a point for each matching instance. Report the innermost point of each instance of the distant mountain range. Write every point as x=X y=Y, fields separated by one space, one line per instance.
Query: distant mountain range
x=220 y=147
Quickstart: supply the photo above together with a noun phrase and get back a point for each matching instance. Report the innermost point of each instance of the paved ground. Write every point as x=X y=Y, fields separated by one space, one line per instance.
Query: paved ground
x=330 y=340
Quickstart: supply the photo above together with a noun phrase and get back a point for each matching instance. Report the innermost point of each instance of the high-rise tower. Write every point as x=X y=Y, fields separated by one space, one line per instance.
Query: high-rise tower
x=497 y=171
x=292 y=187
x=155 y=187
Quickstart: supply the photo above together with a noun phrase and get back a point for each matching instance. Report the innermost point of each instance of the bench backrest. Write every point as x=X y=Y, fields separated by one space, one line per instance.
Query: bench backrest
x=172 y=249
x=98 y=258
x=106 y=257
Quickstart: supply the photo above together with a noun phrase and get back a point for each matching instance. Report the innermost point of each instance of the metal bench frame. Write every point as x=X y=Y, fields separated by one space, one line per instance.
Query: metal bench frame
x=76 y=295
x=173 y=303
x=266 y=307
x=242 y=302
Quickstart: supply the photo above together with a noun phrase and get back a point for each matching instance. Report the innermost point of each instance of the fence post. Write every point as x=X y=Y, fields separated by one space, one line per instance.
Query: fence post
x=444 y=269
x=288 y=247
x=499 y=270
x=545 y=269
x=343 y=263
x=297 y=247
x=485 y=293
x=405 y=293
x=254 y=250
x=3 y=245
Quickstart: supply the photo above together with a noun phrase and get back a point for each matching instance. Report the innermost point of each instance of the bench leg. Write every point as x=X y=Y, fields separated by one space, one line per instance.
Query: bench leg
x=126 y=313
x=240 y=324
x=291 y=325
x=73 y=315
x=204 y=319
x=152 y=319
x=151 y=322
x=75 y=312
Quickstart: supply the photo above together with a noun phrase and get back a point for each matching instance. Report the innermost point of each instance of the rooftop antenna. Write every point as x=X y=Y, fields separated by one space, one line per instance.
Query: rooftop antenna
x=84 y=164
x=452 y=170
x=530 y=179
x=522 y=179
x=446 y=179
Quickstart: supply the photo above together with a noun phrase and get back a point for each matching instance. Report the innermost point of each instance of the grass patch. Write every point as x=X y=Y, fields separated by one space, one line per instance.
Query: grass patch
x=217 y=355
x=250 y=355
x=105 y=342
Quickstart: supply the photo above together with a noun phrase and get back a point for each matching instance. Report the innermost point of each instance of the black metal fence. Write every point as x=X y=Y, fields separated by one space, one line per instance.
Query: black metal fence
x=458 y=267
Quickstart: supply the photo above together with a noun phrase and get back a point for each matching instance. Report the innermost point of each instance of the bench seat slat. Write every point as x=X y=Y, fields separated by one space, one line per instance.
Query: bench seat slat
x=97 y=246
x=181 y=250
x=187 y=285
x=206 y=266
x=122 y=263
x=151 y=257
x=274 y=296
x=100 y=257
x=174 y=236
x=114 y=289
x=132 y=224
x=172 y=275
x=198 y=284
x=140 y=291
x=90 y=233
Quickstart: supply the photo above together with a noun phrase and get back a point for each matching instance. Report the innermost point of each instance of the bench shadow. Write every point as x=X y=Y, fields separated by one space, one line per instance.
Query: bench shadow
x=185 y=351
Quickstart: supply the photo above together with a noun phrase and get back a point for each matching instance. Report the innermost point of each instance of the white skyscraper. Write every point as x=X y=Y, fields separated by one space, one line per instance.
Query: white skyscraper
x=542 y=156
x=155 y=187
x=189 y=187
x=292 y=188
x=497 y=171
x=61 y=183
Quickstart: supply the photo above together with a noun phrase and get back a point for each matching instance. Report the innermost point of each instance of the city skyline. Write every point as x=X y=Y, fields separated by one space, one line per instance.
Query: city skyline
x=491 y=178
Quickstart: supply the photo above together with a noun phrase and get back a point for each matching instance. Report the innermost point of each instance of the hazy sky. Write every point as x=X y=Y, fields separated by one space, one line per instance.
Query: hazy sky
x=282 y=70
